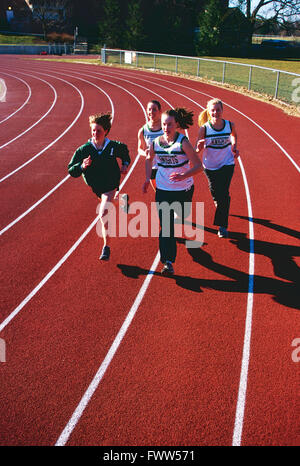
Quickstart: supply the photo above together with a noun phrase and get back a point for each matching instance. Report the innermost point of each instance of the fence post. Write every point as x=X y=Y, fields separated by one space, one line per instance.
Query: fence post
x=277 y=84
x=223 y=77
x=250 y=77
x=103 y=55
x=198 y=68
x=176 y=64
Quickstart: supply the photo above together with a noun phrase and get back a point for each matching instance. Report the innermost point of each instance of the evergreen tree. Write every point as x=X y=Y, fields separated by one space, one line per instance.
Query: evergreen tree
x=210 y=28
x=110 y=27
x=134 y=34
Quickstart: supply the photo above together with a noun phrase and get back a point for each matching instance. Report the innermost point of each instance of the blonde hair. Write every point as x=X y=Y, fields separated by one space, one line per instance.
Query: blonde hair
x=204 y=115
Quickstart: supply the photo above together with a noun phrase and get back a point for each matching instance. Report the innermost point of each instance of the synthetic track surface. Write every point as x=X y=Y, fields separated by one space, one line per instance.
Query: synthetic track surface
x=206 y=356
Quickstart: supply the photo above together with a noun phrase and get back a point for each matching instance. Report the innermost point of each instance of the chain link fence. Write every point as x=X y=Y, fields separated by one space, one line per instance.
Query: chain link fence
x=281 y=85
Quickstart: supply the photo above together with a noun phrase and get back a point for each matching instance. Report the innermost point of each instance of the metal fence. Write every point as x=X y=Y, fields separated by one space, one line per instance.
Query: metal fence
x=281 y=85
x=49 y=49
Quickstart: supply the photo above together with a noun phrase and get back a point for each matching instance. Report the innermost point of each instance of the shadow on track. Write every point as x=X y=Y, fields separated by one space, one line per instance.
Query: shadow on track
x=284 y=290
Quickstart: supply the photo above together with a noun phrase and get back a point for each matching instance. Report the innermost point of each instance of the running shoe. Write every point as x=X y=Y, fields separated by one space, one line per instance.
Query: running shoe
x=222 y=233
x=105 y=253
x=167 y=268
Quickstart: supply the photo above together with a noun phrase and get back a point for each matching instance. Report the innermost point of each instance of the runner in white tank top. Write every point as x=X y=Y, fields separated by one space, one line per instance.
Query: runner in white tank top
x=218 y=138
x=217 y=146
x=174 y=182
x=172 y=157
x=148 y=132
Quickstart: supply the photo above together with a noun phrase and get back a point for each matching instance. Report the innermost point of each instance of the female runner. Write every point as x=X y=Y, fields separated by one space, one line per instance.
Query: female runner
x=174 y=182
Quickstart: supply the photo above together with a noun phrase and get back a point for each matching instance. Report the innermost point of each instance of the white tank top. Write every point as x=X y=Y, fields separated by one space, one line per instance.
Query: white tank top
x=149 y=136
x=217 y=147
x=169 y=159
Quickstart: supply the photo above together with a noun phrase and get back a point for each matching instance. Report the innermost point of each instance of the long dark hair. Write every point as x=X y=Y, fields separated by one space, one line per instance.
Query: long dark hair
x=182 y=116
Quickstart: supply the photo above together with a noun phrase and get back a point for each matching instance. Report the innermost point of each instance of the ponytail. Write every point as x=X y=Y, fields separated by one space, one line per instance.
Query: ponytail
x=204 y=115
x=182 y=116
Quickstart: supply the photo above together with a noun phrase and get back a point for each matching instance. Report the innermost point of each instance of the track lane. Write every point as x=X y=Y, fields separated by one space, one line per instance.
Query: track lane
x=216 y=264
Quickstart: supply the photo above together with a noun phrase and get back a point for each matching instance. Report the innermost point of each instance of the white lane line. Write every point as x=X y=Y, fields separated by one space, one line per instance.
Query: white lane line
x=29 y=95
x=11 y=224
x=64 y=436
x=38 y=121
x=47 y=277
x=55 y=140
x=16 y=311
x=241 y=400
x=72 y=249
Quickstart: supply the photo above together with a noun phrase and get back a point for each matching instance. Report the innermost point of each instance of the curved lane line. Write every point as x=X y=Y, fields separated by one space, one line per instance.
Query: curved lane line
x=38 y=121
x=64 y=436
x=240 y=409
x=55 y=140
x=36 y=204
x=241 y=400
x=26 y=101
x=16 y=311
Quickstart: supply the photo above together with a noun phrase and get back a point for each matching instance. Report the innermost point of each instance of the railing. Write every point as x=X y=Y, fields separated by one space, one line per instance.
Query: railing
x=29 y=49
x=281 y=85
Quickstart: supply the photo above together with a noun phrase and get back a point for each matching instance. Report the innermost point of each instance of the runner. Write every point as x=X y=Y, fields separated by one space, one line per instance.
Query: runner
x=174 y=182
x=151 y=130
x=96 y=162
x=218 y=138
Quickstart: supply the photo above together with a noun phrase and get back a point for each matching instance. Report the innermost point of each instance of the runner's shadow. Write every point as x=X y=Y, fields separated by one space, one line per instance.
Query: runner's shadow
x=269 y=224
x=280 y=255
x=185 y=282
x=284 y=290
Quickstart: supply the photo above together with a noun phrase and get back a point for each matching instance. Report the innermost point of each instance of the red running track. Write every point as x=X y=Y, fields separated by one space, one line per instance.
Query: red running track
x=114 y=353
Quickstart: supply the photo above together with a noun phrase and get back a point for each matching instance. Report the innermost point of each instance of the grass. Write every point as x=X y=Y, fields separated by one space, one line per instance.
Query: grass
x=34 y=40
x=291 y=65
x=258 y=39
x=21 y=40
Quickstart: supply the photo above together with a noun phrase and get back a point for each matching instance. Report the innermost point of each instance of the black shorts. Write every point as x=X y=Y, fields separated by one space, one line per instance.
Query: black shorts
x=99 y=192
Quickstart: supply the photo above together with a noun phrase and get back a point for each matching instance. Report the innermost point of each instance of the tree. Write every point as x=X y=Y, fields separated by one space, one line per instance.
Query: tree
x=50 y=14
x=210 y=28
x=134 y=34
x=280 y=11
x=110 y=27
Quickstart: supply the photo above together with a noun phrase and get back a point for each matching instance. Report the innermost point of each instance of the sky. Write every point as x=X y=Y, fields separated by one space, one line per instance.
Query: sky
x=266 y=11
